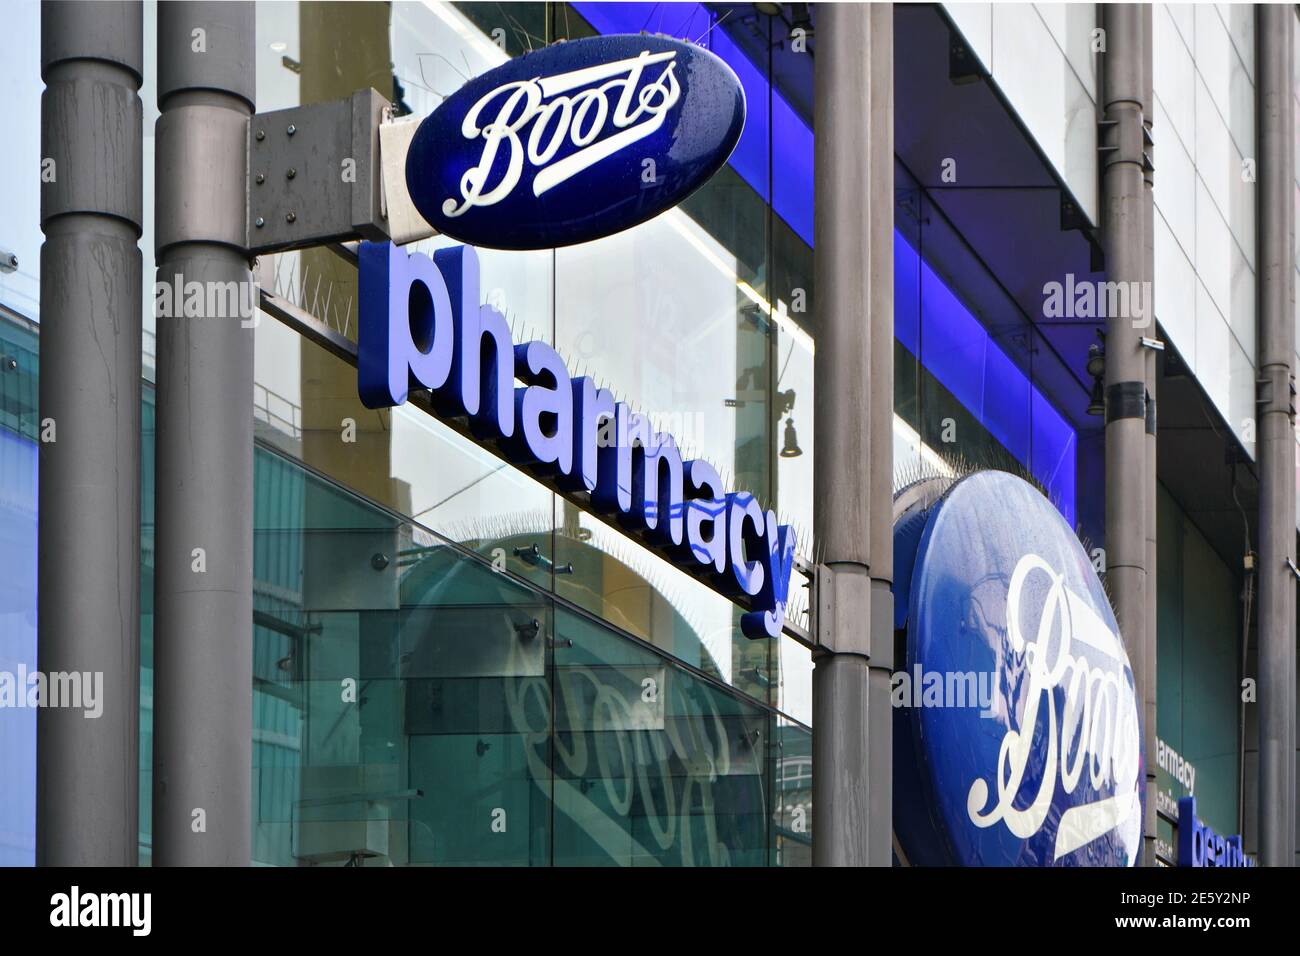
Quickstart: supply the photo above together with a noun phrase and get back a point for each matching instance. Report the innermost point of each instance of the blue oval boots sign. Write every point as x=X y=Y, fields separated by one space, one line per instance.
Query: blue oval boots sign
x=1024 y=748
x=575 y=141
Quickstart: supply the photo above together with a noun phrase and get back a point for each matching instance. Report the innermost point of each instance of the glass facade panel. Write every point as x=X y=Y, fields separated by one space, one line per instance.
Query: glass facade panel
x=1198 y=669
x=20 y=160
x=652 y=766
x=414 y=706
x=1203 y=65
x=792 y=770
x=654 y=313
x=971 y=371
x=19 y=429
x=473 y=658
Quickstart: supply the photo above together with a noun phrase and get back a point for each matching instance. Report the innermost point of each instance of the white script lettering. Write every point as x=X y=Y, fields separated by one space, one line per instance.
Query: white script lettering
x=555 y=117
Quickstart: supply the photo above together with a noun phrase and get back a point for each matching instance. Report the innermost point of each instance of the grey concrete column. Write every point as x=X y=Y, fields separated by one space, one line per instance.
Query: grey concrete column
x=880 y=314
x=1124 y=215
x=1150 y=710
x=1275 y=445
x=88 y=560
x=853 y=456
x=203 y=611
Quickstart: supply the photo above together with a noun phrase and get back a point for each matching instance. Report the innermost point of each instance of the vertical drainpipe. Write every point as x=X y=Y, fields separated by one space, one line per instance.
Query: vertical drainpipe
x=1126 y=371
x=1275 y=433
x=88 y=561
x=1147 y=289
x=852 y=750
x=202 y=741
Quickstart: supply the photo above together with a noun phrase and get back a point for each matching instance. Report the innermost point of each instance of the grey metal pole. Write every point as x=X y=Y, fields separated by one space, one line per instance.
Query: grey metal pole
x=1275 y=433
x=852 y=744
x=202 y=742
x=1289 y=487
x=88 y=561
x=1150 y=710
x=1126 y=364
x=880 y=314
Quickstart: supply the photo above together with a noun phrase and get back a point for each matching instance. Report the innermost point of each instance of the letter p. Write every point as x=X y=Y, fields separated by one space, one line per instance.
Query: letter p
x=405 y=333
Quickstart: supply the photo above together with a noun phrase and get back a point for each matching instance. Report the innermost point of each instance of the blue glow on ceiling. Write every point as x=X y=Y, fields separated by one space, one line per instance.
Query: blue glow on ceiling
x=960 y=353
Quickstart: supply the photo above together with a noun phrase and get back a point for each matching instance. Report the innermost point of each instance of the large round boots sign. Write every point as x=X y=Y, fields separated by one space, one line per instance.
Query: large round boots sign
x=1016 y=729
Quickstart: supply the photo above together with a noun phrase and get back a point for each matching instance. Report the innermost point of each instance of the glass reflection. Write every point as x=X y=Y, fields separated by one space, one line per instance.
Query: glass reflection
x=415 y=706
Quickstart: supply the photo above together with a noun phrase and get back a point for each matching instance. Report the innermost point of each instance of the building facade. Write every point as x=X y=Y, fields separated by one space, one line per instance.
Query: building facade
x=452 y=664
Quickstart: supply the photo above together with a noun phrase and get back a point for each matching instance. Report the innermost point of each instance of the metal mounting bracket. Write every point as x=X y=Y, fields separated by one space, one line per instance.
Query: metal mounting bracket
x=314 y=174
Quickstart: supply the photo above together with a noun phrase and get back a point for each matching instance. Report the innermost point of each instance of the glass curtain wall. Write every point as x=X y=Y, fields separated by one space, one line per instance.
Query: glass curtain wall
x=19 y=433
x=701 y=319
x=415 y=706
x=681 y=317
x=976 y=384
x=1199 y=675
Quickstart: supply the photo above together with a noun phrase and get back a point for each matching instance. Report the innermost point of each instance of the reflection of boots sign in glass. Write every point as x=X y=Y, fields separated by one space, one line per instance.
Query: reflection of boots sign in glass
x=575 y=141
x=422 y=326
